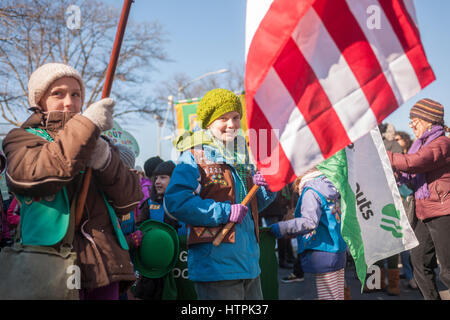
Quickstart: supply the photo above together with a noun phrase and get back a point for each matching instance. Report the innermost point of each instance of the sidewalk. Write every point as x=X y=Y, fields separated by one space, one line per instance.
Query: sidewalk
x=306 y=290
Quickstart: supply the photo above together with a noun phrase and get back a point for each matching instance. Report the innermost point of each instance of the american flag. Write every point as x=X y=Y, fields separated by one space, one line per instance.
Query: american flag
x=323 y=73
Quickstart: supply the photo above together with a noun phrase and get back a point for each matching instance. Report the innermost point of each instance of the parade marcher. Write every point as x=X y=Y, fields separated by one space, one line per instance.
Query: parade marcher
x=154 y=288
x=146 y=182
x=427 y=167
x=212 y=177
x=317 y=225
x=46 y=157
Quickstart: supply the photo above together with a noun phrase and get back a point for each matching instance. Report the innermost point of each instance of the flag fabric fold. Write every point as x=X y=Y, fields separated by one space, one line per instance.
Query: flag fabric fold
x=374 y=222
x=321 y=73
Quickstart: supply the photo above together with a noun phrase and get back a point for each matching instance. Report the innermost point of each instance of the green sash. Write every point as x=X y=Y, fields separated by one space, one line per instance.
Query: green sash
x=45 y=220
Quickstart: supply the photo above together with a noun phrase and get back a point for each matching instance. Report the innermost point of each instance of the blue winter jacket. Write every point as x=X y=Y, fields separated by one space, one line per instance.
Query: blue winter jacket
x=206 y=262
x=320 y=243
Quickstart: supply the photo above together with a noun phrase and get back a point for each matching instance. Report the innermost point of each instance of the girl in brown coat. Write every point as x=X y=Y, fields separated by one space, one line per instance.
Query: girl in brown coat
x=40 y=167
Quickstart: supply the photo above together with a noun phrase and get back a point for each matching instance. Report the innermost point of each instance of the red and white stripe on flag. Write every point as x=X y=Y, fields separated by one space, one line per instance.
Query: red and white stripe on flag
x=321 y=73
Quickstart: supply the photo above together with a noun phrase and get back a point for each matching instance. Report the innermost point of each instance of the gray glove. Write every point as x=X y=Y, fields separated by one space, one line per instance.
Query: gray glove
x=101 y=113
x=101 y=156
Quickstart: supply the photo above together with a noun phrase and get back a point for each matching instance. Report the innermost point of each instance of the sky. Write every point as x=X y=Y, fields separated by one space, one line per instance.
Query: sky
x=208 y=35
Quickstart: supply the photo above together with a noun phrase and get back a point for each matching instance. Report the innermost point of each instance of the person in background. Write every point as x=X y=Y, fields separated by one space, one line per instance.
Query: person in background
x=404 y=140
x=146 y=182
x=427 y=168
x=153 y=288
x=317 y=225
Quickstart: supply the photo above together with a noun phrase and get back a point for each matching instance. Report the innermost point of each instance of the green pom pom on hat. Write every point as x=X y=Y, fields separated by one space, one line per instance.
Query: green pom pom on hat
x=216 y=103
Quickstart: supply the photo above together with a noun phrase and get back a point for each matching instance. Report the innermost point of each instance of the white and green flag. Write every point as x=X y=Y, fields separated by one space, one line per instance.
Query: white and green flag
x=374 y=223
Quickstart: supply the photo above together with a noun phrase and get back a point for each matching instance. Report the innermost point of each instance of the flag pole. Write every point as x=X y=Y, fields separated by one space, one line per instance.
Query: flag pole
x=105 y=93
x=229 y=225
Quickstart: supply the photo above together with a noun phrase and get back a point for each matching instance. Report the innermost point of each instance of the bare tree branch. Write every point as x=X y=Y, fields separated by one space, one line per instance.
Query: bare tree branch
x=35 y=32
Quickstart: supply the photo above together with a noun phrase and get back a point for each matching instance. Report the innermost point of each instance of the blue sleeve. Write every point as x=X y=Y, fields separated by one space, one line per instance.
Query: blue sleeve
x=311 y=210
x=264 y=197
x=182 y=197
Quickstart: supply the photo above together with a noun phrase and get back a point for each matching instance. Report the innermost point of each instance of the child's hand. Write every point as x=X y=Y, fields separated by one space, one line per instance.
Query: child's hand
x=259 y=180
x=275 y=229
x=238 y=212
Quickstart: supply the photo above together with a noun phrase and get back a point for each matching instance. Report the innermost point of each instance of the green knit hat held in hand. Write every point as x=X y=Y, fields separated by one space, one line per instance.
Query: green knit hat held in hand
x=215 y=103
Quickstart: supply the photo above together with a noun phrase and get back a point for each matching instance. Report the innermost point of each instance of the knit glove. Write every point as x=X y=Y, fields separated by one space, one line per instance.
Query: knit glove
x=275 y=229
x=101 y=156
x=259 y=180
x=136 y=237
x=238 y=212
x=101 y=113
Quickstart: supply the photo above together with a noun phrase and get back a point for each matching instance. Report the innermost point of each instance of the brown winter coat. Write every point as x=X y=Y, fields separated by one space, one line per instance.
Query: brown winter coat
x=433 y=160
x=37 y=167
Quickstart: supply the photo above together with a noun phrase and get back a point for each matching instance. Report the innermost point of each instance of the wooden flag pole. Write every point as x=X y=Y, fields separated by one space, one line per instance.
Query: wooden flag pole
x=229 y=225
x=105 y=93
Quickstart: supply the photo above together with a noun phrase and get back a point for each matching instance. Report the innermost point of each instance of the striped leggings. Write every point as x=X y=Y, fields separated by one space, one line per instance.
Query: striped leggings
x=330 y=286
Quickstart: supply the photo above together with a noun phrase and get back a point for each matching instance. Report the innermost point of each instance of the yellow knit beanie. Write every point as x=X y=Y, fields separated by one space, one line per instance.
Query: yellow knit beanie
x=216 y=103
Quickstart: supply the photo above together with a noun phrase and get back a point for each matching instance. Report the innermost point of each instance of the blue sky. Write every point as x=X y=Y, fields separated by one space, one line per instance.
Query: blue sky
x=207 y=35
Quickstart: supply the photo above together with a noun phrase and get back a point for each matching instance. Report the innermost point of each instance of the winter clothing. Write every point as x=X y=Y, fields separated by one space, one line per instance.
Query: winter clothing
x=428 y=166
x=259 y=180
x=100 y=156
x=164 y=168
x=101 y=113
x=51 y=166
x=317 y=225
x=126 y=155
x=203 y=186
x=433 y=236
x=428 y=110
x=12 y=214
x=151 y=164
x=249 y=289
x=216 y=103
x=238 y=212
x=45 y=75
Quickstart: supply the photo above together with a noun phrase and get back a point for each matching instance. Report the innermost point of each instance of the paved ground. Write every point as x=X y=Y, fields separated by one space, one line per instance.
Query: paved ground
x=306 y=290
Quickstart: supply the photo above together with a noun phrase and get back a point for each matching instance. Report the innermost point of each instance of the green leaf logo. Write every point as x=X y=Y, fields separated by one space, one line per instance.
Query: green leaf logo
x=391 y=221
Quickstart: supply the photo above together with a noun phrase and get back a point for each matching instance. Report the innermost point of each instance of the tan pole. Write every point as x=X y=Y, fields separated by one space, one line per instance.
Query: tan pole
x=229 y=225
x=106 y=92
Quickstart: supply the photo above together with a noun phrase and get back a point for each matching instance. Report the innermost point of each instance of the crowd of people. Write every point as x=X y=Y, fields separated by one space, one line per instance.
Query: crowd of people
x=137 y=227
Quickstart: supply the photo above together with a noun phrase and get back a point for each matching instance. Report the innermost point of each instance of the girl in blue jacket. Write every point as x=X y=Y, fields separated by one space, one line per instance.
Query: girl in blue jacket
x=317 y=225
x=211 y=179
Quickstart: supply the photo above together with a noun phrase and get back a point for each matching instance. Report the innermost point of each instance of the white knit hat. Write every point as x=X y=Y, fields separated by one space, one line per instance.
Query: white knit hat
x=45 y=75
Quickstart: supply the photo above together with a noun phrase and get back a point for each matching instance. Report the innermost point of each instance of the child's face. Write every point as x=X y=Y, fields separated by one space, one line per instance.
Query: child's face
x=161 y=182
x=226 y=127
x=63 y=95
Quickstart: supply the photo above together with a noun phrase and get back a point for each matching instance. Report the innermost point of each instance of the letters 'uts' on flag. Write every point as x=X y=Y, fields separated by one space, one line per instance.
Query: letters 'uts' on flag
x=320 y=74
